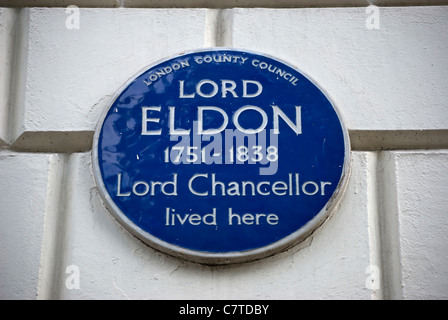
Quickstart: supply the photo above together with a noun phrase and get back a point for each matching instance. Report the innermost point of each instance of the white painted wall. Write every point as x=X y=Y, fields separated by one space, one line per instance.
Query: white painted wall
x=387 y=240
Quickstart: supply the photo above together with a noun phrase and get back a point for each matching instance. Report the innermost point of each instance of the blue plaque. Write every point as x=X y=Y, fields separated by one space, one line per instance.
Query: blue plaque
x=221 y=156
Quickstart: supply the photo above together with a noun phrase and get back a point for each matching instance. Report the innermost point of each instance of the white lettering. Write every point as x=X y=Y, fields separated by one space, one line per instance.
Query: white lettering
x=72 y=21
x=145 y=120
x=201 y=120
x=252 y=218
x=225 y=88
x=251 y=95
x=206 y=95
x=190 y=184
x=119 y=194
x=173 y=130
x=288 y=187
x=250 y=131
x=297 y=127
x=72 y=281
x=373 y=20
x=181 y=91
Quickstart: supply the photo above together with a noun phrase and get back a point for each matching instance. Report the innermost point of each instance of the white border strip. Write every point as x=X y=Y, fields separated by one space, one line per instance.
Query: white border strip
x=217 y=3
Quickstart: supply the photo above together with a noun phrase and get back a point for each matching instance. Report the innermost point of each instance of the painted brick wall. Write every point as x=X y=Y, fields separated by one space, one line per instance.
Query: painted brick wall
x=387 y=240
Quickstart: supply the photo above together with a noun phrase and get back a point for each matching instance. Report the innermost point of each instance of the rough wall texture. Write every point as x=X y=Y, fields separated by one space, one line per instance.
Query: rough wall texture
x=388 y=238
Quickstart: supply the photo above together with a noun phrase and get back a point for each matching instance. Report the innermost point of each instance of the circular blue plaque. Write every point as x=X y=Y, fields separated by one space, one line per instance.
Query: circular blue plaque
x=221 y=156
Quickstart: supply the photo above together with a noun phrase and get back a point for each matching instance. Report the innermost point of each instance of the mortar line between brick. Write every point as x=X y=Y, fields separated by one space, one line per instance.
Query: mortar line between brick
x=376 y=263
x=8 y=54
x=211 y=26
x=218 y=28
x=52 y=227
x=62 y=250
x=361 y=140
x=15 y=69
x=53 y=261
x=388 y=210
x=18 y=81
x=373 y=140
